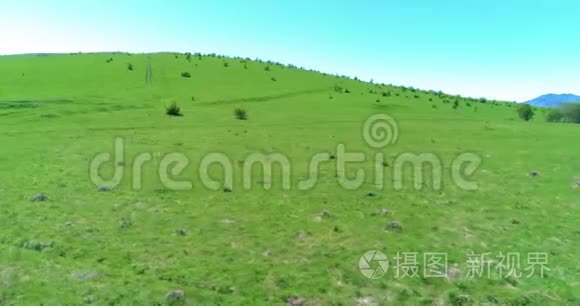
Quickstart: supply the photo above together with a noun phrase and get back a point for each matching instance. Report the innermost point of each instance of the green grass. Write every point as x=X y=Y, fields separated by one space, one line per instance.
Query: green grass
x=262 y=246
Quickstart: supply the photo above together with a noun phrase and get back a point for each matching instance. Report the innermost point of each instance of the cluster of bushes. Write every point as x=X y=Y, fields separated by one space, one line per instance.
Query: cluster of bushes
x=568 y=113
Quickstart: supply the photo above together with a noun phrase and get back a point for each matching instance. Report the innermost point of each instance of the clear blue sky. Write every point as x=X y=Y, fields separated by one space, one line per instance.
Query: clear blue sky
x=502 y=49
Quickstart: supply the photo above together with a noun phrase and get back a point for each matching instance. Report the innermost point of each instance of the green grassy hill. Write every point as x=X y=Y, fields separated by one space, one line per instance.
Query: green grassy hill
x=257 y=246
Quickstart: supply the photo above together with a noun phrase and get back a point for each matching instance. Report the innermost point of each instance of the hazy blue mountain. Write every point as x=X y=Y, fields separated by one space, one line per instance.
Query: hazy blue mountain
x=553 y=100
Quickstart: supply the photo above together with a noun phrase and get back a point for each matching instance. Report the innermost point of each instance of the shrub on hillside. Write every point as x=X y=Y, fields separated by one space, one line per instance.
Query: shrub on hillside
x=455 y=104
x=525 y=112
x=240 y=114
x=554 y=115
x=186 y=75
x=173 y=110
x=130 y=67
x=572 y=112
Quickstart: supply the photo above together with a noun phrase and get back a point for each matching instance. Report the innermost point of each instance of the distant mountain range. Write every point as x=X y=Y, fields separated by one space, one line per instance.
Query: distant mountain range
x=553 y=100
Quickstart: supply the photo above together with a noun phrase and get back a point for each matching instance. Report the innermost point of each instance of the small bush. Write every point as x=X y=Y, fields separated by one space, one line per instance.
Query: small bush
x=455 y=104
x=338 y=89
x=267 y=68
x=130 y=67
x=240 y=114
x=173 y=110
x=525 y=112
x=274 y=79
x=226 y=65
x=186 y=75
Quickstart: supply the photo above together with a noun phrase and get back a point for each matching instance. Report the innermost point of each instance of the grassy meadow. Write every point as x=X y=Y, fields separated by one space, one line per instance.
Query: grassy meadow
x=257 y=246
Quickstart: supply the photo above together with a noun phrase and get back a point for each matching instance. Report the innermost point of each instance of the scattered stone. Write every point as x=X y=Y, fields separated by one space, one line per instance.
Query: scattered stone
x=103 y=188
x=181 y=232
x=175 y=295
x=394 y=226
x=303 y=235
x=37 y=245
x=322 y=216
x=68 y=224
x=227 y=189
x=41 y=197
x=512 y=281
x=382 y=212
x=445 y=202
x=125 y=224
x=228 y=221
x=366 y=301
x=534 y=174
x=295 y=301
x=85 y=276
x=267 y=253
x=515 y=221
x=453 y=273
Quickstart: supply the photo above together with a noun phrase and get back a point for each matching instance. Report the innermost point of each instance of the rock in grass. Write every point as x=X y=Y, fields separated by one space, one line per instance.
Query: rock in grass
x=453 y=273
x=181 y=232
x=394 y=226
x=175 y=295
x=103 y=189
x=227 y=189
x=125 y=224
x=366 y=301
x=41 y=197
x=295 y=301
x=371 y=195
x=534 y=174
x=84 y=276
x=382 y=212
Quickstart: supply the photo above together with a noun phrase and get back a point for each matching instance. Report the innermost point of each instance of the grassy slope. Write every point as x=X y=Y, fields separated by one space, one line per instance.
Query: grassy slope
x=79 y=104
